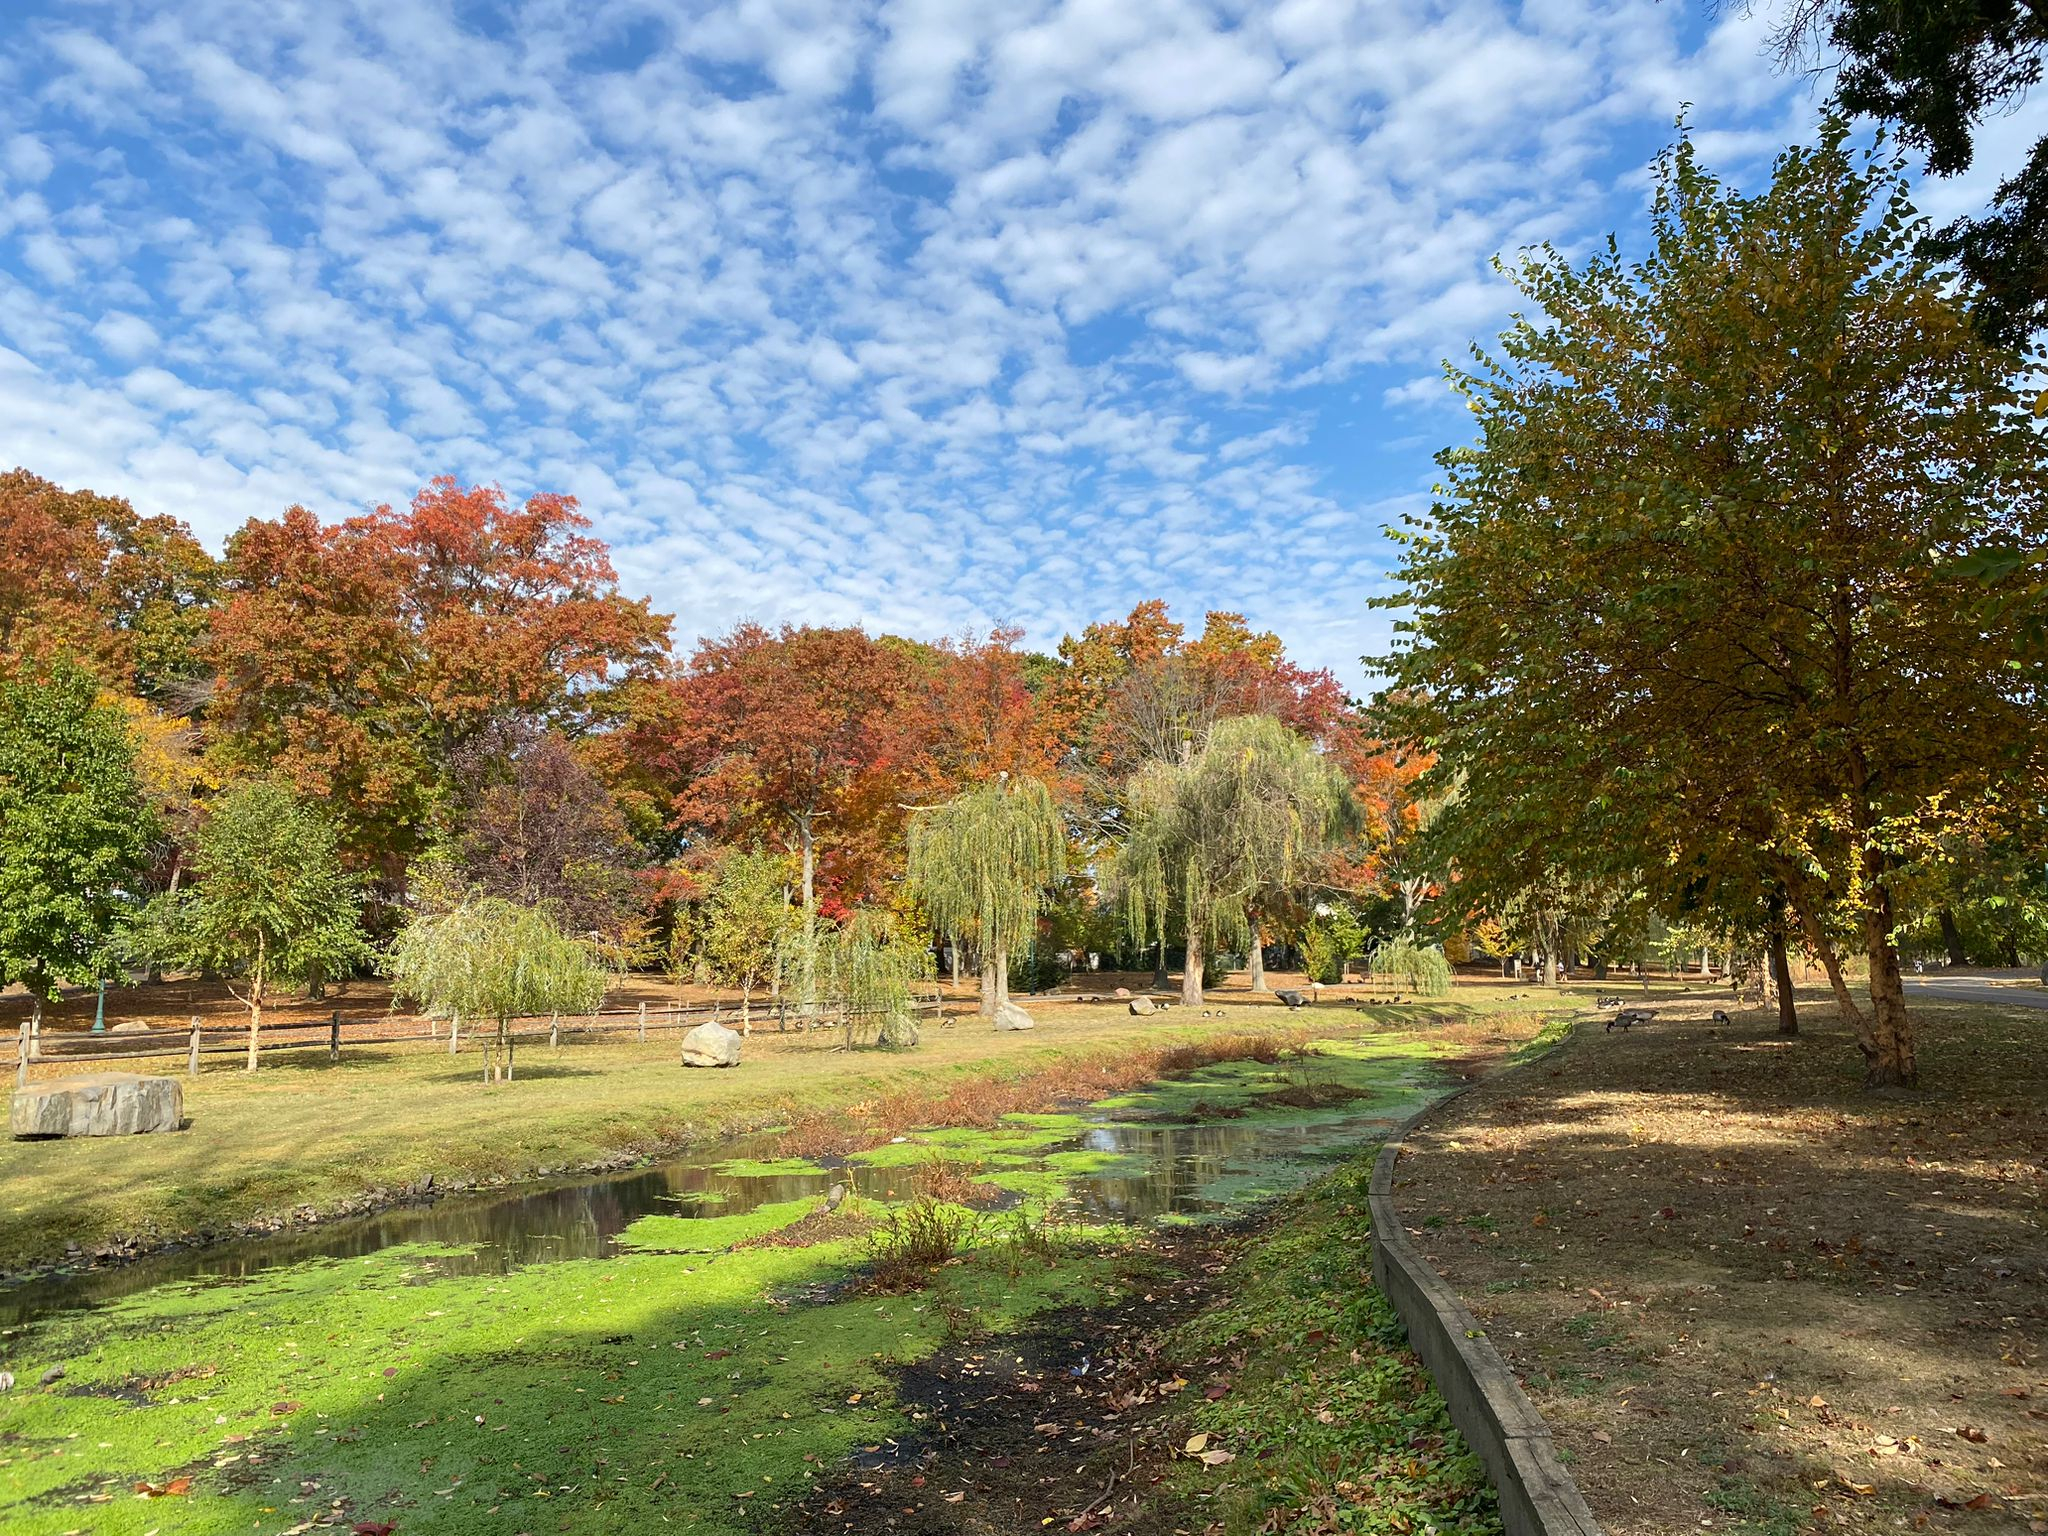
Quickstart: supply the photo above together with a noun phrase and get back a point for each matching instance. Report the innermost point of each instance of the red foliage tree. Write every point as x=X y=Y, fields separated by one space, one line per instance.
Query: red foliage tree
x=81 y=575
x=794 y=737
x=362 y=658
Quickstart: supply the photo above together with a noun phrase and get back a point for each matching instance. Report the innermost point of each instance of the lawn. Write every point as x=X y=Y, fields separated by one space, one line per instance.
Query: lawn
x=303 y=1138
x=1745 y=1293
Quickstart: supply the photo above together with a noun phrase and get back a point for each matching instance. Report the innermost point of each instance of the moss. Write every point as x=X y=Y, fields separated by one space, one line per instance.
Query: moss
x=769 y=1168
x=709 y=1234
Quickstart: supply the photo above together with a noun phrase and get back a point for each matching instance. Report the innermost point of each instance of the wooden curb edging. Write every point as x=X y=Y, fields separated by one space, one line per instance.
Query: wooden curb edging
x=1537 y=1495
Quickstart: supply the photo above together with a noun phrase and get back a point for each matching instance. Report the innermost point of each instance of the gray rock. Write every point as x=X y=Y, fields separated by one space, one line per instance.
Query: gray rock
x=1010 y=1016
x=899 y=1032
x=129 y=1027
x=97 y=1104
x=53 y=1374
x=711 y=1045
x=1142 y=1006
x=1122 y=993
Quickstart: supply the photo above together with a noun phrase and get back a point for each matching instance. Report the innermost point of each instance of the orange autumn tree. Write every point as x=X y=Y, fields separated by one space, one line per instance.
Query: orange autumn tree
x=361 y=659
x=84 y=577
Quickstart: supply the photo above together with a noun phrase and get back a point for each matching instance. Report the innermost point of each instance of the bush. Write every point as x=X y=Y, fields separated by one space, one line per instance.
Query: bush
x=915 y=1239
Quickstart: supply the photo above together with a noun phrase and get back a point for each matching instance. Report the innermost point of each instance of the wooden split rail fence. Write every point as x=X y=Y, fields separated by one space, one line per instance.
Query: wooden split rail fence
x=230 y=1037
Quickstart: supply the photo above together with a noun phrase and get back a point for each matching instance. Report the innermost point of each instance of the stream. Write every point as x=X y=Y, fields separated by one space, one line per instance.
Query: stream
x=1153 y=1165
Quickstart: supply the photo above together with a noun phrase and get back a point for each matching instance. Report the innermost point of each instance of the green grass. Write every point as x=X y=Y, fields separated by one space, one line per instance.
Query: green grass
x=1330 y=1421
x=304 y=1135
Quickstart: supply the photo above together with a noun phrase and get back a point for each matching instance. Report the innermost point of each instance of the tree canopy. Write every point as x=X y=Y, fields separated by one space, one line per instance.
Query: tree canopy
x=1241 y=817
x=270 y=903
x=75 y=828
x=1688 y=610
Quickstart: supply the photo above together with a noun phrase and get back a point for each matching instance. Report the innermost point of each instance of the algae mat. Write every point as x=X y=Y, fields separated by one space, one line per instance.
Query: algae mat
x=702 y=1390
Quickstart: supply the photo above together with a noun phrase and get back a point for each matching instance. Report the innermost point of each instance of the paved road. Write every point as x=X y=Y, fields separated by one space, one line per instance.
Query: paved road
x=1959 y=989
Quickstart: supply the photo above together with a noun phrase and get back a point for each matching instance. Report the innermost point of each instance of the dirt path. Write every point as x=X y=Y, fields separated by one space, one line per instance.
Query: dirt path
x=1745 y=1293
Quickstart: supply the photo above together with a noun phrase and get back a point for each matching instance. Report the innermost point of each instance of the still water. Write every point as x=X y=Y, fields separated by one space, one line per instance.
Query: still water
x=1158 y=1170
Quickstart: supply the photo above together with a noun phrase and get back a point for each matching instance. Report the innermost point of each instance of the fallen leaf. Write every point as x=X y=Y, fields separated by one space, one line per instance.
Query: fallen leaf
x=1195 y=1445
x=1217 y=1458
x=1974 y=1435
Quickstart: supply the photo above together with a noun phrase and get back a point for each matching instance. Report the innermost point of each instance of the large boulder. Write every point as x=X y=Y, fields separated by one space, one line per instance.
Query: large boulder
x=1142 y=1006
x=1010 y=1016
x=98 y=1104
x=899 y=1032
x=711 y=1045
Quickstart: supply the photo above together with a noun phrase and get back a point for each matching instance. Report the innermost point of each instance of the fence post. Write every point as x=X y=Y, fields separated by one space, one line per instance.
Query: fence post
x=21 y=1057
x=334 y=1037
x=192 y=1053
x=643 y=1021
x=454 y=1031
x=554 y=1030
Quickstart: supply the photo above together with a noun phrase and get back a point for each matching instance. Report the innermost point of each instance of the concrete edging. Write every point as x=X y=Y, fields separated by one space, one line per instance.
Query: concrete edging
x=1537 y=1495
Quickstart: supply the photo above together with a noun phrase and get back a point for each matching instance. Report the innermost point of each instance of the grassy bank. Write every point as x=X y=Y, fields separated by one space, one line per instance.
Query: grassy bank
x=1746 y=1293
x=302 y=1138
x=695 y=1383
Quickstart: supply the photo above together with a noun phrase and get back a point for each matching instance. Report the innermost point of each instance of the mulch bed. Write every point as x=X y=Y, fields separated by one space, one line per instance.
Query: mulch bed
x=1747 y=1294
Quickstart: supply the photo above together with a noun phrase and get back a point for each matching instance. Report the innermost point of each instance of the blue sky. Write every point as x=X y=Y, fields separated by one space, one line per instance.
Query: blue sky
x=926 y=314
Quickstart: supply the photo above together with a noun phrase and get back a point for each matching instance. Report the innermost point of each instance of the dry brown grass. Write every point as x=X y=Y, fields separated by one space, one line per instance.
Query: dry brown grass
x=1747 y=1294
x=840 y=1130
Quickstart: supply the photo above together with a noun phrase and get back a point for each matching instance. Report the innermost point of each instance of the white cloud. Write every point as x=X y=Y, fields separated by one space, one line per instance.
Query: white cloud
x=920 y=313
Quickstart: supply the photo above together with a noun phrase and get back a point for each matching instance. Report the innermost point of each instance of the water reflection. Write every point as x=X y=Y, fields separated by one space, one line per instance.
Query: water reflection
x=1156 y=1170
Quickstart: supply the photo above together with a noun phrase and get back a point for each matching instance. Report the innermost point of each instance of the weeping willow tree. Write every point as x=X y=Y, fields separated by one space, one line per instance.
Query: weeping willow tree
x=488 y=958
x=1242 y=817
x=870 y=971
x=1421 y=968
x=984 y=864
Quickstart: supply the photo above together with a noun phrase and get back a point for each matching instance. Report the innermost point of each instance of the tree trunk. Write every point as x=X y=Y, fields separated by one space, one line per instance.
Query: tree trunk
x=1952 y=938
x=155 y=974
x=991 y=991
x=747 y=1008
x=505 y=1040
x=256 y=977
x=1831 y=962
x=1781 y=968
x=1255 y=962
x=1550 y=968
x=1002 y=975
x=809 y=1000
x=1191 y=977
x=1160 y=980
x=953 y=960
x=1889 y=1059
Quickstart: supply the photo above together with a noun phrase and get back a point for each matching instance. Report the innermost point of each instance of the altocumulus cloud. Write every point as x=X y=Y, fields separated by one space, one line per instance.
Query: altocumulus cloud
x=925 y=314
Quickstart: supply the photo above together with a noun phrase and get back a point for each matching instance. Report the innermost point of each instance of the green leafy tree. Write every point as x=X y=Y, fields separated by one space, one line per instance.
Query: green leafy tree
x=747 y=921
x=1685 y=611
x=871 y=969
x=986 y=865
x=1238 y=819
x=270 y=904
x=489 y=958
x=75 y=830
x=1937 y=72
